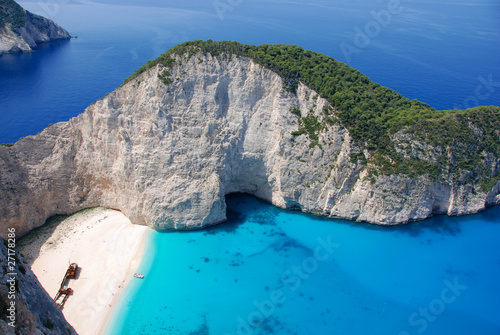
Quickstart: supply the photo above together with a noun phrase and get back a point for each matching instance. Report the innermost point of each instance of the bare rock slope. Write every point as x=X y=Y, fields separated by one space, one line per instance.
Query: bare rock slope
x=166 y=151
x=25 y=307
x=22 y=31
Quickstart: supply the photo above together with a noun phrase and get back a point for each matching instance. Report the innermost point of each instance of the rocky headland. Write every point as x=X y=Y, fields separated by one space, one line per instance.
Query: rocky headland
x=22 y=31
x=208 y=118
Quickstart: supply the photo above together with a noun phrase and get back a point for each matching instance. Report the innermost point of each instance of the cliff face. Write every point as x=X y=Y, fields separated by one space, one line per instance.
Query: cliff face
x=166 y=148
x=26 y=31
x=35 y=312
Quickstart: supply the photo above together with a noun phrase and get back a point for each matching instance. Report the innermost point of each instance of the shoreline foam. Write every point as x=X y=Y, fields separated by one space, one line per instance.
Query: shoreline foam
x=107 y=247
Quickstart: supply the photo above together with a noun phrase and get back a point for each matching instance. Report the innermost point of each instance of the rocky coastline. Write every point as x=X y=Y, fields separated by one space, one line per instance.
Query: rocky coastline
x=166 y=152
x=26 y=34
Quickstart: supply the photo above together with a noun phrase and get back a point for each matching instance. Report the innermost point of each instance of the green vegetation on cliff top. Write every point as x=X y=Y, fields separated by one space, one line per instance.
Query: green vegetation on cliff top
x=12 y=13
x=373 y=113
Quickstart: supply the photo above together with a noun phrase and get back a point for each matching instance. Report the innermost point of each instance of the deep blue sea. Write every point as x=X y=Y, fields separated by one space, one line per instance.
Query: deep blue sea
x=268 y=271
x=439 y=52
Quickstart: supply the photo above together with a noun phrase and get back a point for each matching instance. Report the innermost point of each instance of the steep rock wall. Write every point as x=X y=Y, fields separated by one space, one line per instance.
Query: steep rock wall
x=33 y=312
x=25 y=39
x=167 y=154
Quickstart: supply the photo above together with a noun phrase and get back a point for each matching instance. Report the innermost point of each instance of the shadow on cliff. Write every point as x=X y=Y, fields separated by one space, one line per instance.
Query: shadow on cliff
x=441 y=224
x=235 y=218
x=448 y=225
x=263 y=212
x=256 y=210
x=30 y=244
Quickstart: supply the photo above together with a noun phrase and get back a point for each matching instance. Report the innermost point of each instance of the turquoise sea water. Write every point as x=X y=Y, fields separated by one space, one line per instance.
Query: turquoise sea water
x=269 y=271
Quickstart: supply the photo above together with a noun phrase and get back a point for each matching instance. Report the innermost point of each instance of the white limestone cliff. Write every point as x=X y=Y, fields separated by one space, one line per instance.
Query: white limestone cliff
x=166 y=156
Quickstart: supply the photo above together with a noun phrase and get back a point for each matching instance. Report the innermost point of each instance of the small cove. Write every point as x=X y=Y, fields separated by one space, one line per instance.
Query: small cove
x=269 y=271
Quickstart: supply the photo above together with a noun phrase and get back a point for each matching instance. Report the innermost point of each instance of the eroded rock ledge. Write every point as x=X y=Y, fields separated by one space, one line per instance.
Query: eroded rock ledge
x=166 y=154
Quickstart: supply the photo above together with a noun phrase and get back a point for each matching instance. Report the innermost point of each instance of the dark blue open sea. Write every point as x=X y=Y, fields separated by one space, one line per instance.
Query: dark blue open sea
x=268 y=271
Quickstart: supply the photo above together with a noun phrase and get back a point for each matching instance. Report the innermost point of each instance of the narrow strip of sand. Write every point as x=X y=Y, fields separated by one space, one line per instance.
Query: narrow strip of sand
x=108 y=249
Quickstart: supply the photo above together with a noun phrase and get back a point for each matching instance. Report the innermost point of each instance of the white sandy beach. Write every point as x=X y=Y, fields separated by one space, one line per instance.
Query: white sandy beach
x=108 y=249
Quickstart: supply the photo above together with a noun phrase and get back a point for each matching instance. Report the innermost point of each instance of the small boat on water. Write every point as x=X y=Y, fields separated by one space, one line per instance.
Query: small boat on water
x=138 y=275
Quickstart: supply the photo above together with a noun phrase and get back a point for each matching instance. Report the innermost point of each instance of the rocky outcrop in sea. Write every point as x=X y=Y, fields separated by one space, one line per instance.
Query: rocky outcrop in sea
x=23 y=31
